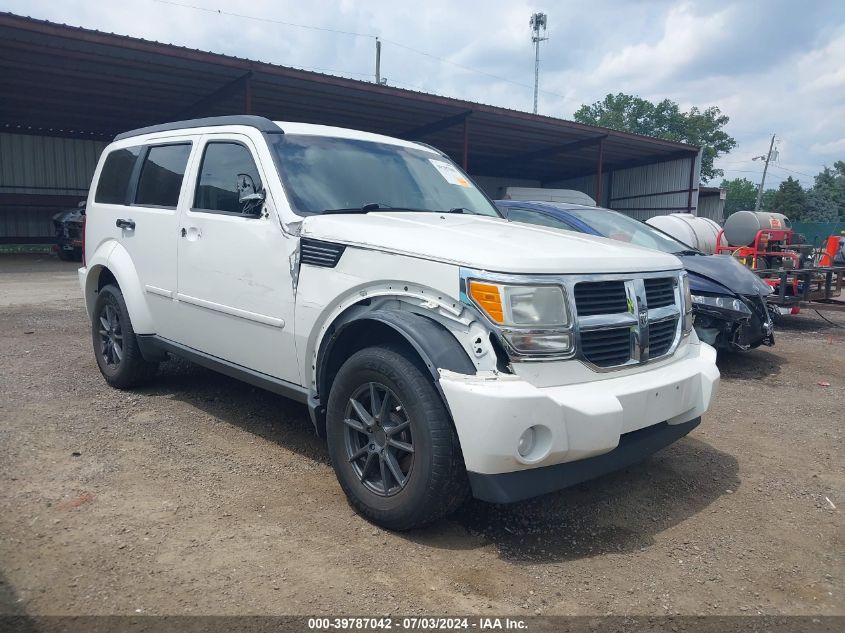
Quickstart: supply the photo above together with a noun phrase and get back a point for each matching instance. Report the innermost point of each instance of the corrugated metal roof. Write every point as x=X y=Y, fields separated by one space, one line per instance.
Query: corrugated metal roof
x=66 y=80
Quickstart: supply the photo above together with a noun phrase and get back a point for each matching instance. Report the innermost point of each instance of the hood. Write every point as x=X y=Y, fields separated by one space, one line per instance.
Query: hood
x=725 y=271
x=486 y=243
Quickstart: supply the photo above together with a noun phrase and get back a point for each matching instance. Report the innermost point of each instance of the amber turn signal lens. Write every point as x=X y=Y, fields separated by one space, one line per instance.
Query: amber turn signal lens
x=489 y=298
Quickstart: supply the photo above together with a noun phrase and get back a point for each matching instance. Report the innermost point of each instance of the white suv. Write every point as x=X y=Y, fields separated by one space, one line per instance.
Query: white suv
x=441 y=350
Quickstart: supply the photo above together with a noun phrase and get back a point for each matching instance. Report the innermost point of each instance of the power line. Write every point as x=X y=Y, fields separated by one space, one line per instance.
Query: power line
x=794 y=171
x=355 y=34
x=727 y=165
x=260 y=19
x=461 y=66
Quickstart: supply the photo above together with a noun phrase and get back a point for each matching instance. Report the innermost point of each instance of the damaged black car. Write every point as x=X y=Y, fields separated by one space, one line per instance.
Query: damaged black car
x=68 y=226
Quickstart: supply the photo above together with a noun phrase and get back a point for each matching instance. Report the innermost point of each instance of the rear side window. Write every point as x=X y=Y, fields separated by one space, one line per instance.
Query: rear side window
x=161 y=175
x=114 y=178
x=223 y=168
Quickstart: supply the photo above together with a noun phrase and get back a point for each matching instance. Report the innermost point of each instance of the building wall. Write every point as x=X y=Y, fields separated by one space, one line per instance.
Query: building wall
x=712 y=206
x=40 y=175
x=641 y=192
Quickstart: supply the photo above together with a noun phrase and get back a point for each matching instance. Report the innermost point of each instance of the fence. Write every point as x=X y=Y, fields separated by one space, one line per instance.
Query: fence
x=816 y=233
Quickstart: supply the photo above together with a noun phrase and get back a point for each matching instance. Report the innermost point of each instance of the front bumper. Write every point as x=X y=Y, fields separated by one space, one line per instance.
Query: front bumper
x=572 y=422
x=524 y=484
x=731 y=330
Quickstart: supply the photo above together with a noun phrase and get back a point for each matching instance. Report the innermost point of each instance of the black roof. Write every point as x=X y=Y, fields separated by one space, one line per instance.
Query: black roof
x=260 y=123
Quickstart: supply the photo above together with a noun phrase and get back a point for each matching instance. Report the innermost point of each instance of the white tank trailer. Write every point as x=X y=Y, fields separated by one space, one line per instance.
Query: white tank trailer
x=700 y=233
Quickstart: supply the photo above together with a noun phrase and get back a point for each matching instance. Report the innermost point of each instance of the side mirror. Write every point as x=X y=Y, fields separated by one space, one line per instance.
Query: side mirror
x=248 y=196
x=251 y=198
x=245 y=186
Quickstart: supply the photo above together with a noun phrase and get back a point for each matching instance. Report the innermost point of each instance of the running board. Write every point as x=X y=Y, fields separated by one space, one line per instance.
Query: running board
x=153 y=348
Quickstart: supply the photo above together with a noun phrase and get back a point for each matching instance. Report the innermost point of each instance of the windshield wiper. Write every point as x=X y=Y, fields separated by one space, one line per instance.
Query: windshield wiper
x=461 y=210
x=370 y=206
x=378 y=206
x=687 y=251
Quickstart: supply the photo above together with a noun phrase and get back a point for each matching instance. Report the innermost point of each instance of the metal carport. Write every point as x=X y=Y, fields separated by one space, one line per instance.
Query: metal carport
x=66 y=91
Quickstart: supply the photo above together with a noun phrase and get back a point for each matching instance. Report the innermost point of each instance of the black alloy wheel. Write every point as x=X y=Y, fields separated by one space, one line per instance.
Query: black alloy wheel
x=116 y=347
x=111 y=333
x=379 y=444
x=391 y=441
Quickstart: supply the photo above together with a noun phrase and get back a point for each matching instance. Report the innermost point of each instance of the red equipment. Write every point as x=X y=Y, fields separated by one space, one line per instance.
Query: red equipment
x=788 y=267
x=831 y=248
x=768 y=246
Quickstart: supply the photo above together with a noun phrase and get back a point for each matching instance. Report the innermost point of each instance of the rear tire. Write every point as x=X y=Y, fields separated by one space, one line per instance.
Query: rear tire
x=115 y=344
x=392 y=443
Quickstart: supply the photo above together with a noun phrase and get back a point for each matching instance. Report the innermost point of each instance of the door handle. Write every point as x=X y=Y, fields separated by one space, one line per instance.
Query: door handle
x=191 y=233
x=125 y=224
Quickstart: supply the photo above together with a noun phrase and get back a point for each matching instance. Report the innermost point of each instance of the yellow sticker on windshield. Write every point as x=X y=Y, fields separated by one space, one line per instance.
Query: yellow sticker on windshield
x=450 y=173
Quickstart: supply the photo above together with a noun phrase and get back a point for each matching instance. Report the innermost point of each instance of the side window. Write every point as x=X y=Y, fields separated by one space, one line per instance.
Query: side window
x=535 y=217
x=225 y=167
x=161 y=175
x=115 y=175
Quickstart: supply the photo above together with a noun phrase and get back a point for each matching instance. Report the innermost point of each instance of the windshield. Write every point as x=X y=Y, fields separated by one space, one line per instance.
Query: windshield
x=620 y=227
x=323 y=173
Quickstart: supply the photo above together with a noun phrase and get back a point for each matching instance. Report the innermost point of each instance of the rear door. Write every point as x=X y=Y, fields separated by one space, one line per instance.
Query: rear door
x=235 y=292
x=136 y=202
x=160 y=188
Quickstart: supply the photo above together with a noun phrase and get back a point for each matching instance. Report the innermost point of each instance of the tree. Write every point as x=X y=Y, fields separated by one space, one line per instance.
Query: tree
x=821 y=207
x=664 y=120
x=740 y=195
x=789 y=199
x=828 y=192
x=767 y=199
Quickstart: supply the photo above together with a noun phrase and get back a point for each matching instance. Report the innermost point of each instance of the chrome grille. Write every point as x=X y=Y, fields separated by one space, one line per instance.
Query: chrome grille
x=623 y=322
x=607 y=348
x=600 y=297
x=661 y=336
x=660 y=292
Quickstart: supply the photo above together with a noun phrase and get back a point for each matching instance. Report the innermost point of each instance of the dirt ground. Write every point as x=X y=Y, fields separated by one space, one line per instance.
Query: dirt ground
x=203 y=495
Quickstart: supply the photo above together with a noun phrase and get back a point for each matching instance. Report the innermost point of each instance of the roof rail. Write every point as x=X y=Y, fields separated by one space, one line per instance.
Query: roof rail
x=258 y=122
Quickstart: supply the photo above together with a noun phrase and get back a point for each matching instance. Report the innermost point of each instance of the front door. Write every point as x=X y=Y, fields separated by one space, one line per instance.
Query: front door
x=235 y=295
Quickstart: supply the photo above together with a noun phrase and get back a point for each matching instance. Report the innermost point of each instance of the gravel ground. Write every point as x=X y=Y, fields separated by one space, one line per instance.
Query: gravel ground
x=203 y=495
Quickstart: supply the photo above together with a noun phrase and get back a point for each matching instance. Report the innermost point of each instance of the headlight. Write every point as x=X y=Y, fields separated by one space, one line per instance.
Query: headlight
x=722 y=303
x=530 y=317
x=520 y=306
x=687 y=303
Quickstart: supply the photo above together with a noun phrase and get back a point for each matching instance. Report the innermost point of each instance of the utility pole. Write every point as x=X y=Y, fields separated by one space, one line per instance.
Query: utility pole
x=537 y=22
x=766 y=158
x=378 y=61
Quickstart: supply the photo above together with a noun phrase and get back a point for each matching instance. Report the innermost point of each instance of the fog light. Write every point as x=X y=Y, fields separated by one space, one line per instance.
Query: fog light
x=526 y=442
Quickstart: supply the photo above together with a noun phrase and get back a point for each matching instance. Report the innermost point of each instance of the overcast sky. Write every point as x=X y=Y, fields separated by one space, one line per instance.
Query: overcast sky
x=773 y=66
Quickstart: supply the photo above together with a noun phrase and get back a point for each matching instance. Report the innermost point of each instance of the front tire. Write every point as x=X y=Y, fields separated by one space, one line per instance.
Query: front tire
x=115 y=344
x=391 y=441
